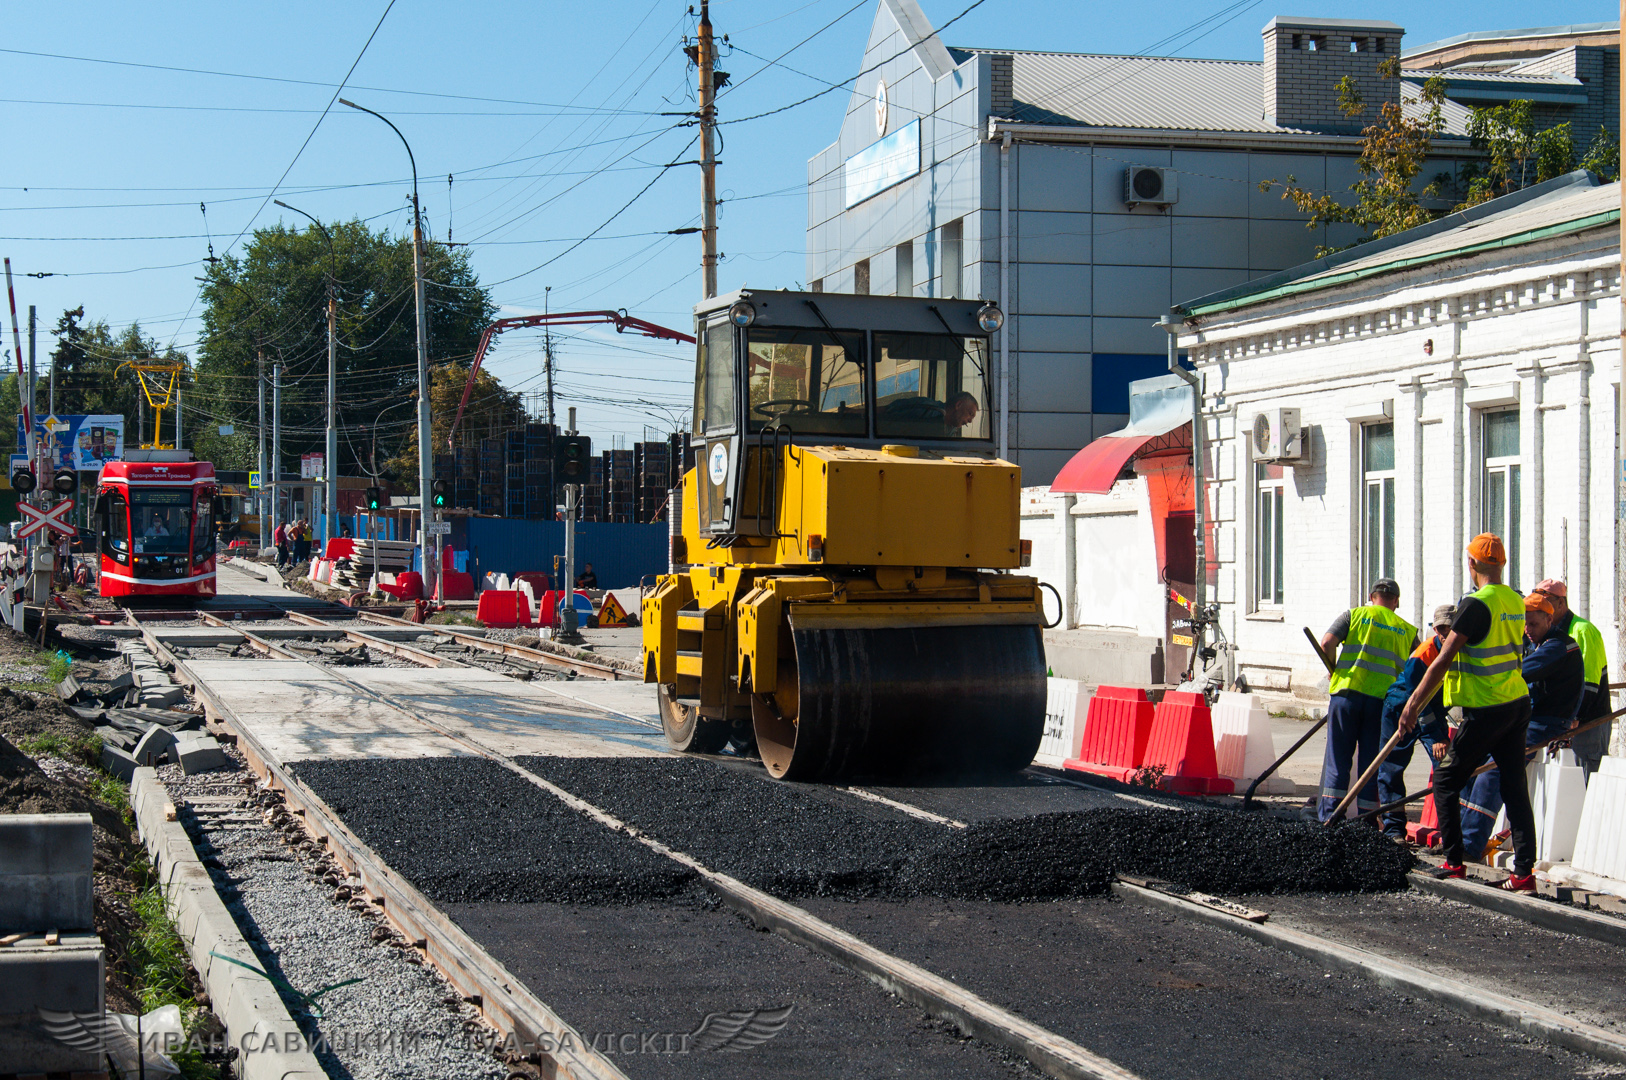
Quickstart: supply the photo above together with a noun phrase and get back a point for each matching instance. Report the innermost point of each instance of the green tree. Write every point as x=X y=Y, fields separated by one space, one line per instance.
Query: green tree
x=271 y=301
x=1603 y=156
x=1395 y=149
x=1516 y=153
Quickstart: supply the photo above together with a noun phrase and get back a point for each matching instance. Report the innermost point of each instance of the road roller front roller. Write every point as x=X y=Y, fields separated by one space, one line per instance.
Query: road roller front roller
x=842 y=597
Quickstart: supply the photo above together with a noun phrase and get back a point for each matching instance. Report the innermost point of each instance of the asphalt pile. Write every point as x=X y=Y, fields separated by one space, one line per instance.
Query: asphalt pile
x=465 y=830
x=1218 y=851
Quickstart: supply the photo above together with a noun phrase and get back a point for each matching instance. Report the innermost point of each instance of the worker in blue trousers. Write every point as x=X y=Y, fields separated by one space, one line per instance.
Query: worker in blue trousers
x=1375 y=643
x=1556 y=673
x=1432 y=729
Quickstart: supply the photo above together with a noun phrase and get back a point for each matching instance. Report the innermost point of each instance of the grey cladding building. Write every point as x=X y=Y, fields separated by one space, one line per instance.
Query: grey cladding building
x=1089 y=193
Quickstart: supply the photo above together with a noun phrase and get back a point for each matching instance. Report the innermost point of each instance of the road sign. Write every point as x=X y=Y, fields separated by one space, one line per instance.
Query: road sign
x=438 y=528
x=56 y=518
x=254 y=479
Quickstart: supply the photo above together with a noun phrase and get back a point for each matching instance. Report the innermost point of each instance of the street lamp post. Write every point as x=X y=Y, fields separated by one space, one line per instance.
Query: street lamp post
x=428 y=546
x=330 y=463
x=259 y=381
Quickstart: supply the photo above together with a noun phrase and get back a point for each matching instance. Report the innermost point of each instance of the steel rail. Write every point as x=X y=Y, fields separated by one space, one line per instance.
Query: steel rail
x=479 y=978
x=508 y=648
x=394 y=648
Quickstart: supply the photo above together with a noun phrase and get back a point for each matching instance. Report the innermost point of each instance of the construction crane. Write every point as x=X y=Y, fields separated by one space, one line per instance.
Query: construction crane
x=619 y=319
x=158 y=379
x=841 y=596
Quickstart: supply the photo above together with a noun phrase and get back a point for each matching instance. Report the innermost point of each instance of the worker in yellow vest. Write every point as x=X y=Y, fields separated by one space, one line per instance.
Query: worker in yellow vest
x=1376 y=643
x=1589 y=746
x=1480 y=669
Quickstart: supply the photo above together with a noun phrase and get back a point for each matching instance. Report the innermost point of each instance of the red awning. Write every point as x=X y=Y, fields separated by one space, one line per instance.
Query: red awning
x=1097 y=466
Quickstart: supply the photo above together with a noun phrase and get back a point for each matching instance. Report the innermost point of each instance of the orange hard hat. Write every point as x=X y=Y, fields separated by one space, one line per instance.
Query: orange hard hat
x=1487 y=548
x=1537 y=602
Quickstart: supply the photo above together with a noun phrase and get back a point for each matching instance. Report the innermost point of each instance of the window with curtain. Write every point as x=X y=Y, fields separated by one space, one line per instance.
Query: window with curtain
x=1499 y=501
x=1377 y=504
x=1270 y=484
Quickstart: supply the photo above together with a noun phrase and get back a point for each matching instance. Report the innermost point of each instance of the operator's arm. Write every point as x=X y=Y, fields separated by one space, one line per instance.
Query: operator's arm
x=1455 y=642
x=1336 y=634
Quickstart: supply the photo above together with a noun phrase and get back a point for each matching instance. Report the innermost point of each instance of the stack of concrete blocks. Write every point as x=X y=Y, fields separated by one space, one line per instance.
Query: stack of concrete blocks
x=158 y=690
x=1243 y=747
x=192 y=751
x=52 y=959
x=1067 y=702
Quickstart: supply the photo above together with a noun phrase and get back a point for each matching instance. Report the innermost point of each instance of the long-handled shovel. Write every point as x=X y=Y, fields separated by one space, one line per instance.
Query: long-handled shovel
x=1247 y=798
x=1529 y=753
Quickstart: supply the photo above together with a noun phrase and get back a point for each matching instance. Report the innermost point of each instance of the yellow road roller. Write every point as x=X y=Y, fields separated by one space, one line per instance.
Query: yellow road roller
x=842 y=597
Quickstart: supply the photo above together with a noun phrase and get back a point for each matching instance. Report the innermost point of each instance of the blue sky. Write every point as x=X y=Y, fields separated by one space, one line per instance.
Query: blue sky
x=546 y=115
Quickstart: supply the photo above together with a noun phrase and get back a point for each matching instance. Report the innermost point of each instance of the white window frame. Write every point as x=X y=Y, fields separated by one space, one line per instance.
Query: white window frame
x=1508 y=469
x=1269 y=537
x=1377 y=551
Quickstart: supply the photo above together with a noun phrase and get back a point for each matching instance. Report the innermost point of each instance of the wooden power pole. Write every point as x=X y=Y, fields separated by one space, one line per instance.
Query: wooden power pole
x=706 y=59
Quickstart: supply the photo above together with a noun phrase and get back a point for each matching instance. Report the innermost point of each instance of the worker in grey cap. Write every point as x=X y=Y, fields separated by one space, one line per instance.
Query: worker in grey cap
x=1375 y=642
x=1431 y=727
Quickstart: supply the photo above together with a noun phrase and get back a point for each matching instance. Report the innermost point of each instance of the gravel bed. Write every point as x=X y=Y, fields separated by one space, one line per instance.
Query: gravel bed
x=305 y=931
x=465 y=830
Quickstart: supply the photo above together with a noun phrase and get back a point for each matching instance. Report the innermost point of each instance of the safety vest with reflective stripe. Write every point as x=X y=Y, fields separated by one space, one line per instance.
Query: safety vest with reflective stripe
x=1489 y=673
x=1593 y=658
x=1373 y=653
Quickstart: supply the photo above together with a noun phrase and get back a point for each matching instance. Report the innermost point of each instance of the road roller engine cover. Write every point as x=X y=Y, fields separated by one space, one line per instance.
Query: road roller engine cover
x=843 y=597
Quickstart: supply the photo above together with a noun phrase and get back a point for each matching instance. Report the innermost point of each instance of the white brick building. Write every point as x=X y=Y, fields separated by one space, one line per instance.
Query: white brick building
x=1459 y=378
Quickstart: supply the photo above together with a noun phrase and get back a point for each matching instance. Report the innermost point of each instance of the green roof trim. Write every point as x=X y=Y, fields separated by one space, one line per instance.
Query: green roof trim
x=1317 y=283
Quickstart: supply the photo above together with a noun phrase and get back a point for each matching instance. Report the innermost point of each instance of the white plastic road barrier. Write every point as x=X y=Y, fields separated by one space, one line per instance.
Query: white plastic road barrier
x=1560 y=796
x=1600 y=844
x=1243 y=747
x=527 y=594
x=1065 y=703
x=324 y=572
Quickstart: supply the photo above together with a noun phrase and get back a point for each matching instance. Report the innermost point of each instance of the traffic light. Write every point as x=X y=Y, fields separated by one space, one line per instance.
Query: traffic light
x=571 y=457
x=375 y=499
x=22 y=481
x=437 y=494
x=65 y=482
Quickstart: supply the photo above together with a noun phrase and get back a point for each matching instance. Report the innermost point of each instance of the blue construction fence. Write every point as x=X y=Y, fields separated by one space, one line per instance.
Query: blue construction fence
x=622 y=554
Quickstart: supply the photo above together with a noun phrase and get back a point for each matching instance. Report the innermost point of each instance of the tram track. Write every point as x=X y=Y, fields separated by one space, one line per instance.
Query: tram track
x=504 y=998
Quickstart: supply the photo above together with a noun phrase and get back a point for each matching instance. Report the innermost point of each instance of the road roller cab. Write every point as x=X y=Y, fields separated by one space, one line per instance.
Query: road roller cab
x=843 y=597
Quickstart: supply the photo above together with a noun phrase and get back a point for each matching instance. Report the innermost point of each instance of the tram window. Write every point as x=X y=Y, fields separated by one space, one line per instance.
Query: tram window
x=115 y=526
x=203 y=531
x=161 y=520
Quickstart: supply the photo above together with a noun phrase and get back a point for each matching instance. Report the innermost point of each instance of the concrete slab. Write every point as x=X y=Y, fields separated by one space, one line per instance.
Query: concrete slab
x=517 y=718
x=45 y=872
x=235 y=580
x=632 y=700
x=299 y=711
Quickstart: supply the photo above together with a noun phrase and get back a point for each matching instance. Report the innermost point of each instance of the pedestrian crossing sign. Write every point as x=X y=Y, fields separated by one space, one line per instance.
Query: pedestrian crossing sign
x=254 y=479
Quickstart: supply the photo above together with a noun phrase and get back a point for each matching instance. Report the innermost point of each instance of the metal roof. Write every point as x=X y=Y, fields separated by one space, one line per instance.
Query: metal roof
x=1568 y=203
x=1514 y=35
x=1138 y=92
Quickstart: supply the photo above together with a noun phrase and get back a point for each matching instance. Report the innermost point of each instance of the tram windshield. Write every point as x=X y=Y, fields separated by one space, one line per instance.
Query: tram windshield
x=161 y=520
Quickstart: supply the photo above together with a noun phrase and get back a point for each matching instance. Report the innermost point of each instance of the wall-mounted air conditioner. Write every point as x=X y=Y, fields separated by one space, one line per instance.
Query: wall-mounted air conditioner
x=1277 y=436
x=1150 y=184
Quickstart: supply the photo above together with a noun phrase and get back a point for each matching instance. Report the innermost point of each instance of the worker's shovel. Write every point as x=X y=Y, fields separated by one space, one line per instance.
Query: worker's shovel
x=1529 y=753
x=1247 y=798
x=1371 y=771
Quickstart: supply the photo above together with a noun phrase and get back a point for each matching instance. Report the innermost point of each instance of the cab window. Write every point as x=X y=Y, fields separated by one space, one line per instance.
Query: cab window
x=810 y=380
x=714 y=379
x=931 y=386
x=115 y=515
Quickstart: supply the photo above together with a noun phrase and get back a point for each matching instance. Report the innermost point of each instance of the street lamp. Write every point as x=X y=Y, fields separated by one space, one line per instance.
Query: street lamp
x=330 y=466
x=431 y=568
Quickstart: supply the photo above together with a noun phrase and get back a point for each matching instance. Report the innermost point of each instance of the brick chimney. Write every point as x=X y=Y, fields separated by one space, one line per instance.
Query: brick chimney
x=1305 y=58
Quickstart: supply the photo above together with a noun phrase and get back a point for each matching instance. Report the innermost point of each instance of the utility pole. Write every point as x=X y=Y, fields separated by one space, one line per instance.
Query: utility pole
x=428 y=543
x=708 y=160
x=180 y=388
x=547 y=347
x=276 y=444
x=259 y=496
x=568 y=634
x=1616 y=743
x=330 y=462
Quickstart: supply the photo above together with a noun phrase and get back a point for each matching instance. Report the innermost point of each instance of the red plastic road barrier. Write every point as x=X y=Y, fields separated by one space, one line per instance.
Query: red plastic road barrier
x=540 y=582
x=1115 y=733
x=1425 y=833
x=408 y=586
x=503 y=607
x=340 y=547
x=1182 y=742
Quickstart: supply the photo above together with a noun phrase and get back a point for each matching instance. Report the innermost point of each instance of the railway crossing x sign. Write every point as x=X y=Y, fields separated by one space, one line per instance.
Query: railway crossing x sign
x=55 y=518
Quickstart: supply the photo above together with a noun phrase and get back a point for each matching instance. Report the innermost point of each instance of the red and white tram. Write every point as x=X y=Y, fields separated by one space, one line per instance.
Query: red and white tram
x=155 y=525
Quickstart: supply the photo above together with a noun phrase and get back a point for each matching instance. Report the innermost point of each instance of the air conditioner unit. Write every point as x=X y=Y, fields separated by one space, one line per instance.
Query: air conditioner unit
x=1150 y=184
x=1277 y=436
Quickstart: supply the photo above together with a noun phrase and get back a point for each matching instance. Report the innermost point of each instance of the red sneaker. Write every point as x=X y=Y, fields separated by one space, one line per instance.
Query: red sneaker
x=1447 y=870
x=1519 y=883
